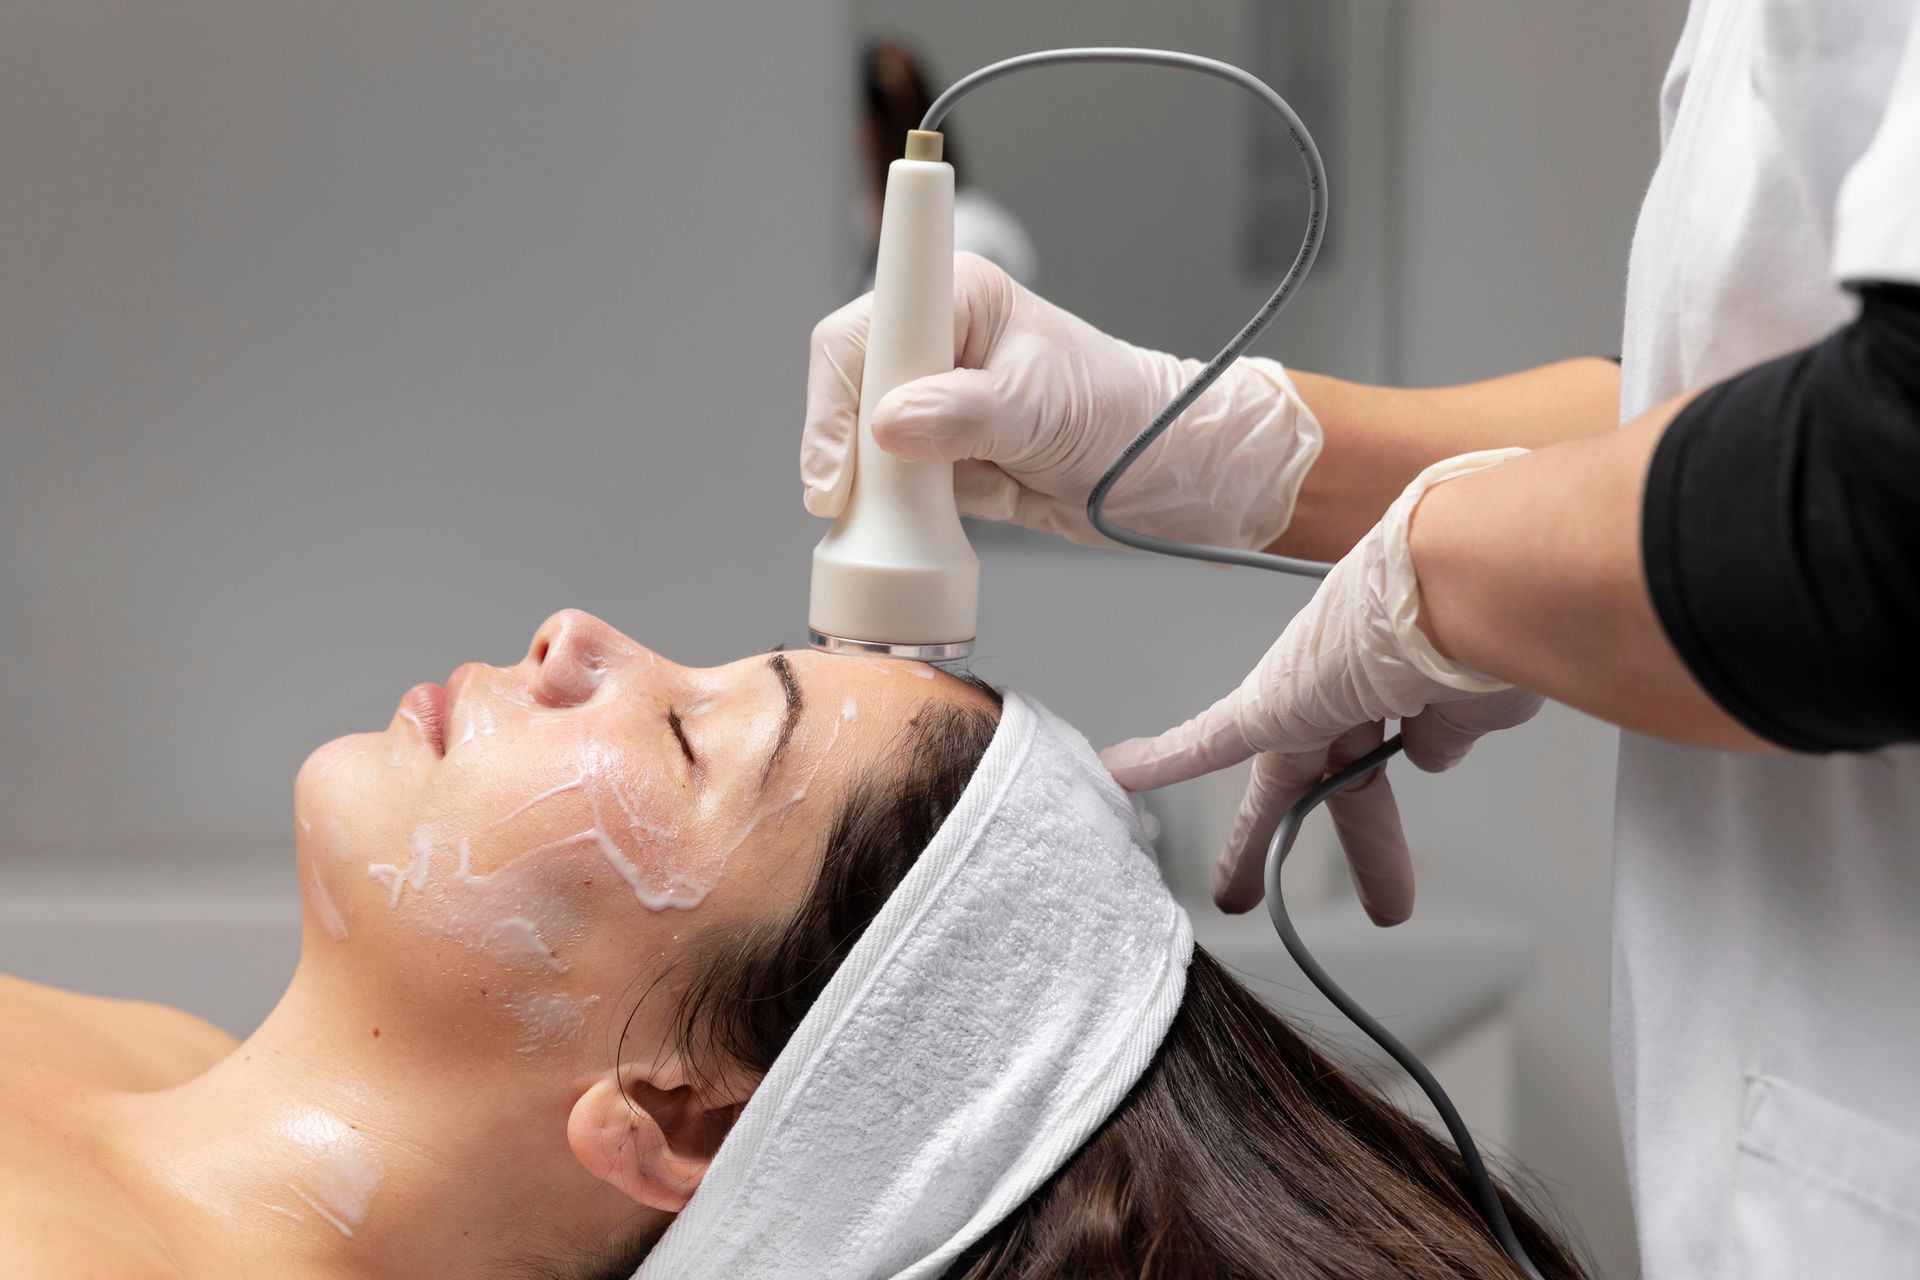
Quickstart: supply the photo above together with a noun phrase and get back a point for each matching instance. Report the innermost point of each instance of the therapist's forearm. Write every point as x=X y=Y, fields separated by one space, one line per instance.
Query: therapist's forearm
x=1532 y=572
x=1377 y=439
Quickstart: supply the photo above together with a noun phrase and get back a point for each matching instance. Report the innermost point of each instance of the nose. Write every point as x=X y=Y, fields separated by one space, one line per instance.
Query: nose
x=572 y=652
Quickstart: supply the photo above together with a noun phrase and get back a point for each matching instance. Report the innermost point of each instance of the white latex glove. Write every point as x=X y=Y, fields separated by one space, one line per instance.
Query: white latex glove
x=1040 y=405
x=1353 y=658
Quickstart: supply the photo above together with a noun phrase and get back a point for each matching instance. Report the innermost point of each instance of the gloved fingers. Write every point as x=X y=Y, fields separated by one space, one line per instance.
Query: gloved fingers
x=1277 y=783
x=985 y=492
x=1366 y=818
x=948 y=417
x=1211 y=740
x=1440 y=736
x=836 y=360
x=984 y=297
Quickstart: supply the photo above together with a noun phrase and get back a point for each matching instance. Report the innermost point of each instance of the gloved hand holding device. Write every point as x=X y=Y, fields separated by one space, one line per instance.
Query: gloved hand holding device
x=1352 y=659
x=1042 y=403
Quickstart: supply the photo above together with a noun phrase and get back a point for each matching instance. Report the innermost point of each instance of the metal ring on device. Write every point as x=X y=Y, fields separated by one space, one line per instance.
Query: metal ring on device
x=881 y=649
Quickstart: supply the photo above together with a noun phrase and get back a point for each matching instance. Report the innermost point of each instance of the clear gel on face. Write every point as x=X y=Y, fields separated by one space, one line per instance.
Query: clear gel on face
x=506 y=915
x=326 y=909
x=548 y=1019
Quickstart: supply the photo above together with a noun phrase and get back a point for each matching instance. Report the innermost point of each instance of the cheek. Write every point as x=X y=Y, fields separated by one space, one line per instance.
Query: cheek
x=531 y=865
x=579 y=804
x=530 y=876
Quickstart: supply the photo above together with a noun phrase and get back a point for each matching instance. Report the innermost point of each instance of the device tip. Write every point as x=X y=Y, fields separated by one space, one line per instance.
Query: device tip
x=925 y=144
x=881 y=649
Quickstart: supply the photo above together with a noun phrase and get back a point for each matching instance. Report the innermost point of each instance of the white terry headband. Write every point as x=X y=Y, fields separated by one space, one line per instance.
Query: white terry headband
x=993 y=1015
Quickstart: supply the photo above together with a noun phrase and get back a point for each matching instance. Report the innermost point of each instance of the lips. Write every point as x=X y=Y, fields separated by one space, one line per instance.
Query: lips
x=425 y=707
x=463 y=675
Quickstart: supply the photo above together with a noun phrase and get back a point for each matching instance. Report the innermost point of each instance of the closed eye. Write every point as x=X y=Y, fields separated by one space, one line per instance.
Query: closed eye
x=679 y=732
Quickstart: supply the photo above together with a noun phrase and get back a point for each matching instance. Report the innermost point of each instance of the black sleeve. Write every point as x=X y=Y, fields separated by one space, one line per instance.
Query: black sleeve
x=1781 y=536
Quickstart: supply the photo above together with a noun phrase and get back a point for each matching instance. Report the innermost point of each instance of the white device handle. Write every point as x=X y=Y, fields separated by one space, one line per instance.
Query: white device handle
x=896 y=574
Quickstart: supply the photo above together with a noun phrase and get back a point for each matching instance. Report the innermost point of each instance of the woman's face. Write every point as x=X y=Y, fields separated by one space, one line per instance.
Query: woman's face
x=518 y=854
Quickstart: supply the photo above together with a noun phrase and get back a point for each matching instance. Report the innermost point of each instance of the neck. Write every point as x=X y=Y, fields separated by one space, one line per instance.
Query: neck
x=321 y=1148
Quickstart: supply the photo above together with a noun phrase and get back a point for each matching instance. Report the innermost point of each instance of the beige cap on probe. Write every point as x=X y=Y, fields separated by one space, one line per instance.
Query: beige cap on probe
x=923 y=144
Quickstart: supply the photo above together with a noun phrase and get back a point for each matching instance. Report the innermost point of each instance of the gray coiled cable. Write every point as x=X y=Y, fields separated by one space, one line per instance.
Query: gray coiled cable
x=1485 y=1195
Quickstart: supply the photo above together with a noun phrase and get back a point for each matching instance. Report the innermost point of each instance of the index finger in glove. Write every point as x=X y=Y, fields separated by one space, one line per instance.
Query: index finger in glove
x=1366 y=818
x=837 y=359
x=1275 y=786
x=1440 y=736
x=1210 y=741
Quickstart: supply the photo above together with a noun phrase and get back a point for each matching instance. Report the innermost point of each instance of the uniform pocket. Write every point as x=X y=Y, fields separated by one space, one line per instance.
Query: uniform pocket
x=1819 y=1190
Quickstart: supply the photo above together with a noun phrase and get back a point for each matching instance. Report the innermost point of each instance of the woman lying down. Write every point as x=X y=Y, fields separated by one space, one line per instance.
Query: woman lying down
x=801 y=966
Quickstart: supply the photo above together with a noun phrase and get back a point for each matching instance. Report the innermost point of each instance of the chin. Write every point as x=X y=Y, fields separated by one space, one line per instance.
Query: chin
x=334 y=771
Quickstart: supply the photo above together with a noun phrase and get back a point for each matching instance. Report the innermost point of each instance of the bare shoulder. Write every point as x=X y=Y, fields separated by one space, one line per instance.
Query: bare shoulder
x=44 y=1238
x=129 y=1044
x=55 y=1223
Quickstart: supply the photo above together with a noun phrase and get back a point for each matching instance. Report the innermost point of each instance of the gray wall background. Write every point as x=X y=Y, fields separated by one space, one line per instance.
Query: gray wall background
x=340 y=343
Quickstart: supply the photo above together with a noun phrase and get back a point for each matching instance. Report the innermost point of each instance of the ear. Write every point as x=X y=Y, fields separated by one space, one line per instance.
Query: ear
x=651 y=1132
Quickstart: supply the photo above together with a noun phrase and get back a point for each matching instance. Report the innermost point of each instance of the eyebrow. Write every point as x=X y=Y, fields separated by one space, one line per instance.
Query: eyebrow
x=778 y=663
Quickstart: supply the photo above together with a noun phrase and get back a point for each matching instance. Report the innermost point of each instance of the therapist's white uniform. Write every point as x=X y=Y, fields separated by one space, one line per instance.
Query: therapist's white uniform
x=1767 y=910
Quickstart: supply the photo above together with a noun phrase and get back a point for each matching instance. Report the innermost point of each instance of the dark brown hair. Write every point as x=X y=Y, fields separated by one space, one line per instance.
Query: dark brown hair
x=1242 y=1152
x=894 y=97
